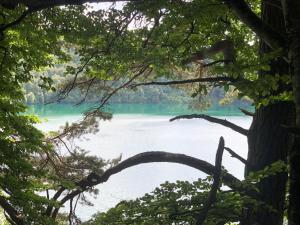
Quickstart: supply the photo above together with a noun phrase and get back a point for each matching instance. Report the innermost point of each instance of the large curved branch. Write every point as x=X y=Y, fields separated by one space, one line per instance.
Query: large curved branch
x=274 y=39
x=224 y=122
x=149 y=157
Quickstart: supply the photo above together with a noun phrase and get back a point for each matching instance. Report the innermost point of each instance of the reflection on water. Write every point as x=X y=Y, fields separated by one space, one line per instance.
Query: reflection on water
x=131 y=134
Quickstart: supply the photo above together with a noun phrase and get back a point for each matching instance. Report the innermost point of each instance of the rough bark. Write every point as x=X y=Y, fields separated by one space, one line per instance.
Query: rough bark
x=291 y=9
x=268 y=140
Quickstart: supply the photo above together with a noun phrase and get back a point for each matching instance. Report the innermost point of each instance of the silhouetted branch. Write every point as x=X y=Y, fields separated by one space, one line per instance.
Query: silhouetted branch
x=247 y=113
x=147 y=157
x=188 y=81
x=216 y=183
x=223 y=122
x=235 y=155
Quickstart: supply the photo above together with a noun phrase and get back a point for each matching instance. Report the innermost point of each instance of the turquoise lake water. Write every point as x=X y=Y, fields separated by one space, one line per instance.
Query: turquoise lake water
x=149 y=109
x=139 y=128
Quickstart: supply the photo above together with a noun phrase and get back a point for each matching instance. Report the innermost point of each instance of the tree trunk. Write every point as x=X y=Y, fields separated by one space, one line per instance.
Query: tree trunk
x=268 y=140
x=291 y=9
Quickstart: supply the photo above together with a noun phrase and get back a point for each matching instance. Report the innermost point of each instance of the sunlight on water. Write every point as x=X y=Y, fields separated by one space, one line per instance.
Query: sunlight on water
x=129 y=134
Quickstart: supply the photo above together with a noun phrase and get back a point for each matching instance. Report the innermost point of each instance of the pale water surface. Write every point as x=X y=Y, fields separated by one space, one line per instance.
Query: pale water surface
x=135 y=132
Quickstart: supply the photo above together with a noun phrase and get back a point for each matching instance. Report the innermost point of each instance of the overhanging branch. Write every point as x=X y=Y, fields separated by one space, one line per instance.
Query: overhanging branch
x=188 y=81
x=148 y=157
x=223 y=122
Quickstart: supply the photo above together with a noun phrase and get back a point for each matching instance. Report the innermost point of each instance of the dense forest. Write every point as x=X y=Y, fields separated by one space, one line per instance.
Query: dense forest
x=249 y=49
x=36 y=94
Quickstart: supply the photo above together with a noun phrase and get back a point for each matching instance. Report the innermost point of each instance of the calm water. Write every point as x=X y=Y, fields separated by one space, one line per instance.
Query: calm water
x=135 y=129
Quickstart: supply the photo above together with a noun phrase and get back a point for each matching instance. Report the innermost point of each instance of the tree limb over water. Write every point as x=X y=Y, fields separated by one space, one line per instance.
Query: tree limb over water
x=188 y=81
x=147 y=157
x=223 y=122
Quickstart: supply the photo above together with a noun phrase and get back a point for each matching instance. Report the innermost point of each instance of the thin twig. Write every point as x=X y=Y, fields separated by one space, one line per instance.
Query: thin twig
x=65 y=92
x=91 y=81
x=107 y=97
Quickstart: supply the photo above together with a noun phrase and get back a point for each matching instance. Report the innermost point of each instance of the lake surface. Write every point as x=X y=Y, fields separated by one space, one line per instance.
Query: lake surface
x=139 y=128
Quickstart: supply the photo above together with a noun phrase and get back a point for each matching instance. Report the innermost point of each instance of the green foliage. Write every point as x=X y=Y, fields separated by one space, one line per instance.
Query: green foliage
x=173 y=203
x=143 y=41
x=181 y=202
x=34 y=45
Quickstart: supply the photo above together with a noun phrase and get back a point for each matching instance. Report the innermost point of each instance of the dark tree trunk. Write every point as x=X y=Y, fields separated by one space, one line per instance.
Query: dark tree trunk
x=268 y=140
x=291 y=9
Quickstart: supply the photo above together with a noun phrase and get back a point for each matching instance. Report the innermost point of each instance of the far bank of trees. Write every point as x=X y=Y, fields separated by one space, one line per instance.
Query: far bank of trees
x=36 y=94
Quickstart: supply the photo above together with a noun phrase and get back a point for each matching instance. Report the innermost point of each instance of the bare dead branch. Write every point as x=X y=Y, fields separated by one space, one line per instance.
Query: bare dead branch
x=69 y=87
x=90 y=84
x=222 y=122
x=107 y=97
x=125 y=84
x=235 y=155
x=215 y=186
